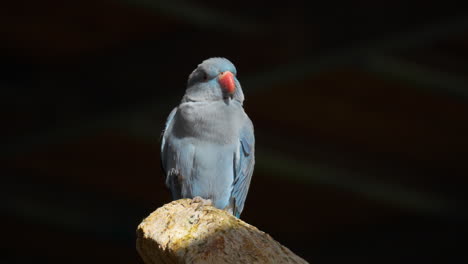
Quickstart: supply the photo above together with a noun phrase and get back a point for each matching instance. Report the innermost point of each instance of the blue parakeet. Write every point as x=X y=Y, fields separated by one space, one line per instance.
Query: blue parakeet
x=208 y=143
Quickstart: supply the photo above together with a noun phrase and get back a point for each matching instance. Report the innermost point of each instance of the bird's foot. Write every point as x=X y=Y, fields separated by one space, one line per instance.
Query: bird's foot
x=198 y=199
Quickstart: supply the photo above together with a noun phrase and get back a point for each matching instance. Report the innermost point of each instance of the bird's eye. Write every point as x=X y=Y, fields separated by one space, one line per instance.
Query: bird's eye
x=205 y=76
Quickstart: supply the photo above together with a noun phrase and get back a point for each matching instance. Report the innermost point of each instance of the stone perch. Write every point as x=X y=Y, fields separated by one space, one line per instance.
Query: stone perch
x=193 y=231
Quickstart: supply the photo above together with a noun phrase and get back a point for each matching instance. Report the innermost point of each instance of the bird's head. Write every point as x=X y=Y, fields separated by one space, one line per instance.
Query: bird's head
x=213 y=80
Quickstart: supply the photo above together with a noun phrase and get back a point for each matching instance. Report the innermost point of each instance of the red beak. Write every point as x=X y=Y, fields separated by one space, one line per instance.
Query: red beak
x=226 y=79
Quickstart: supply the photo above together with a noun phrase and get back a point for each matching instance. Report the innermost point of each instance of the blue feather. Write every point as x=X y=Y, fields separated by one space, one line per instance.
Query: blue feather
x=244 y=168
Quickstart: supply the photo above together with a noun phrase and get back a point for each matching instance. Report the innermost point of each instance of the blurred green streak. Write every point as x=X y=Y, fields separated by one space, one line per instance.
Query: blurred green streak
x=197 y=15
x=417 y=75
x=311 y=172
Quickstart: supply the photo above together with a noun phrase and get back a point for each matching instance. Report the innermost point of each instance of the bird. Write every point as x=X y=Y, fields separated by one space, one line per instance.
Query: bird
x=208 y=142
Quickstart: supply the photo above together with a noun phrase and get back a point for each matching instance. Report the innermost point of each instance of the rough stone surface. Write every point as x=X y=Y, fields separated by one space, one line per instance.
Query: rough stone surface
x=192 y=231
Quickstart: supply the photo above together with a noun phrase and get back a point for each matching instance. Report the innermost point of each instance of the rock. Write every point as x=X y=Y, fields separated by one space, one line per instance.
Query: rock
x=193 y=231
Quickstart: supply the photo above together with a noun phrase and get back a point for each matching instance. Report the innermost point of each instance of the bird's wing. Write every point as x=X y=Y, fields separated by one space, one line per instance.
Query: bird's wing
x=164 y=136
x=243 y=168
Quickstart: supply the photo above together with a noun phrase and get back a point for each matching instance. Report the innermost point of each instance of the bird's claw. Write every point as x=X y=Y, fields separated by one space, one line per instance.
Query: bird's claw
x=198 y=199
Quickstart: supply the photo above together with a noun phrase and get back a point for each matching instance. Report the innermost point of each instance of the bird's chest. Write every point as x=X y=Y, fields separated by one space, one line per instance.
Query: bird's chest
x=215 y=123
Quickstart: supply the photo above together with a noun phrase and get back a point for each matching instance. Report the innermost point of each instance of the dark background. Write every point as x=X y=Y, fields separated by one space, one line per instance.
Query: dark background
x=360 y=111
